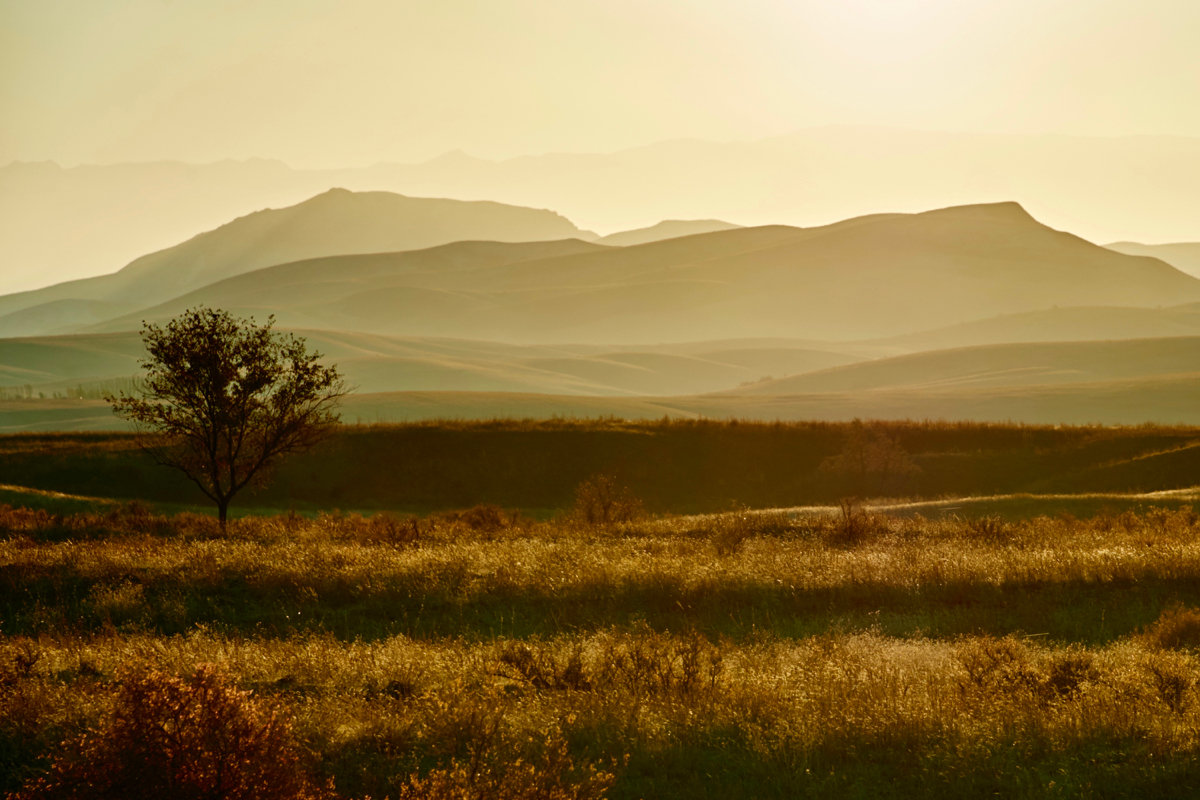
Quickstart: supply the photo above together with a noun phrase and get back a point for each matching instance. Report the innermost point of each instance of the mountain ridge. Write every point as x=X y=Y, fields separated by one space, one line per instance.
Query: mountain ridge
x=879 y=276
x=334 y=222
x=115 y=213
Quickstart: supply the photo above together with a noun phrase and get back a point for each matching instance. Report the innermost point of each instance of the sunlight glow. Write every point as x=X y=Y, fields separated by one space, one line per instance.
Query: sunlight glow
x=882 y=31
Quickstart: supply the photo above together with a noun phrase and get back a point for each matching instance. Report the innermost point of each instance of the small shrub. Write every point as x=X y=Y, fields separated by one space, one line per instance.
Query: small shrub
x=1177 y=627
x=1067 y=672
x=991 y=530
x=23 y=657
x=183 y=739
x=600 y=500
x=381 y=528
x=731 y=532
x=1173 y=679
x=484 y=518
x=542 y=669
x=649 y=663
x=552 y=774
x=854 y=526
x=994 y=667
x=396 y=531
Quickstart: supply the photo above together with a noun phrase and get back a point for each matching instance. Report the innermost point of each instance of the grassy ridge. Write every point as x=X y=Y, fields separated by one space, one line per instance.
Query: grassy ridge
x=750 y=655
x=673 y=466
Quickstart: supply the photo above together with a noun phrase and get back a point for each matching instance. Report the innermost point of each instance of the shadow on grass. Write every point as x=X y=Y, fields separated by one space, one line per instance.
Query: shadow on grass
x=914 y=769
x=1086 y=612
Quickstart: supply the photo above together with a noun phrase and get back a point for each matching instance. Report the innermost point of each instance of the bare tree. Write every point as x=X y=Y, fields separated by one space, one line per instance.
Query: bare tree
x=223 y=399
x=871 y=460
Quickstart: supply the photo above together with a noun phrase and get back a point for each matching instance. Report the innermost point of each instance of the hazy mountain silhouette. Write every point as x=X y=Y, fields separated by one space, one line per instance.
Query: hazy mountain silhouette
x=877 y=276
x=60 y=315
x=335 y=222
x=1184 y=256
x=87 y=220
x=488 y=319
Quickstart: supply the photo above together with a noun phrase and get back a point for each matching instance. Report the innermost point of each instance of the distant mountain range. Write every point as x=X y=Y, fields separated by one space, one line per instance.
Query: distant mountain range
x=334 y=222
x=58 y=223
x=883 y=275
x=485 y=308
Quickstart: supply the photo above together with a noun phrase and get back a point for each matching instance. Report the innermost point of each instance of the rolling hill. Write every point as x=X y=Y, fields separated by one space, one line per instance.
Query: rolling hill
x=1165 y=400
x=870 y=277
x=418 y=379
x=1063 y=324
x=336 y=222
x=63 y=364
x=1008 y=366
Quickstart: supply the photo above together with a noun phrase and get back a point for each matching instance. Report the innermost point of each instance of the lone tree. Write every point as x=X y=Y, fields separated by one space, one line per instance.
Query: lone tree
x=224 y=398
x=871 y=460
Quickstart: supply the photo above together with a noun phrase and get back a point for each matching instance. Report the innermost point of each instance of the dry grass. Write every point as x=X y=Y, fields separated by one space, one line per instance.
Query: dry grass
x=482 y=655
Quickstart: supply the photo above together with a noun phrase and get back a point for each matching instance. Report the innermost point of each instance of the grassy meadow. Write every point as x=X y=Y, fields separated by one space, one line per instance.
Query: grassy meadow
x=483 y=654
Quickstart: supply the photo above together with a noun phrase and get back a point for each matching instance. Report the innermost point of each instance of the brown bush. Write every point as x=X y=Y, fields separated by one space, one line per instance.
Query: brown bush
x=1177 y=627
x=542 y=668
x=854 y=525
x=552 y=775
x=995 y=667
x=600 y=500
x=730 y=531
x=182 y=739
x=485 y=518
x=383 y=528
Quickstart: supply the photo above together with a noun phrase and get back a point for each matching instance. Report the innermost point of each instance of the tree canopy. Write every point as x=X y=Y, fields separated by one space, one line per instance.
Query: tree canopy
x=223 y=398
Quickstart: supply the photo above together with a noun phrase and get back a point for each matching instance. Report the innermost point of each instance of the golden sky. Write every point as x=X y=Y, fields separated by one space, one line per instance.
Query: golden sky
x=354 y=82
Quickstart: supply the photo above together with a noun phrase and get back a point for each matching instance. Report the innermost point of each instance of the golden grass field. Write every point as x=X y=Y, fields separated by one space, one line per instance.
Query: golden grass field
x=480 y=654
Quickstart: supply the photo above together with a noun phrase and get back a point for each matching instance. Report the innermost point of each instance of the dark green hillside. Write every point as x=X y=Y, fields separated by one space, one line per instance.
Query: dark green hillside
x=673 y=466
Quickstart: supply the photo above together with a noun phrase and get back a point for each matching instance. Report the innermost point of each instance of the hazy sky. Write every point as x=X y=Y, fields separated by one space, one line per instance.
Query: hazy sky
x=353 y=82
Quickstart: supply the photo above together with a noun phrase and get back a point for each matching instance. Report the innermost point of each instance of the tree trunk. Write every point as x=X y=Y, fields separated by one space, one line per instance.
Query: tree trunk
x=222 y=511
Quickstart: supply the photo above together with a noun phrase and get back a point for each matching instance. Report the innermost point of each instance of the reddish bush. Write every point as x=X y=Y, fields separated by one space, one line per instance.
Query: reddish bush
x=182 y=739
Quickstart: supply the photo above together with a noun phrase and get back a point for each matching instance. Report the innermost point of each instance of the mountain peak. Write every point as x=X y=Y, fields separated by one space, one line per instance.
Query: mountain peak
x=332 y=193
x=1002 y=210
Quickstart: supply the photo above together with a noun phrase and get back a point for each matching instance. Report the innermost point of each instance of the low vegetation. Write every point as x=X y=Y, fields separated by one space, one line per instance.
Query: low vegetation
x=485 y=654
x=669 y=466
